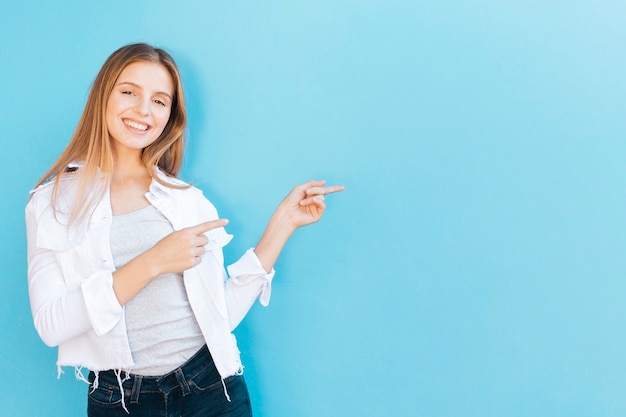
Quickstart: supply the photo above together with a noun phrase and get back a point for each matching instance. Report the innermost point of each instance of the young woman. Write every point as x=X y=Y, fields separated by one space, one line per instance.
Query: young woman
x=125 y=264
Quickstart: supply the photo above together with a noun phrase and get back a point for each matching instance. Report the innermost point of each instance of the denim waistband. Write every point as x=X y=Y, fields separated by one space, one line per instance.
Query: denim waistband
x=134 y=385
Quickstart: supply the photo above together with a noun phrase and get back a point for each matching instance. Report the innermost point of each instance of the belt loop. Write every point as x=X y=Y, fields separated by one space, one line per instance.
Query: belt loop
x=182 y=382
x=134 y=396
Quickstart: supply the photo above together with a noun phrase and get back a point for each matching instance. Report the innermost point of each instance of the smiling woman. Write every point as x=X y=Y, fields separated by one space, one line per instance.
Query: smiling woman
x=126 y=271
x=139 y=106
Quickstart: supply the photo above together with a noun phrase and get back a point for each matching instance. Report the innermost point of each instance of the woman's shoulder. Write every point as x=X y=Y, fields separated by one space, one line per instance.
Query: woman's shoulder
x=64 y=182
x=65 y=185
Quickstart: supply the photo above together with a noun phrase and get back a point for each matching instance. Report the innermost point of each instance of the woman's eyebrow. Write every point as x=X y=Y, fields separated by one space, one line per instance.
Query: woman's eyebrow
x=141 y=88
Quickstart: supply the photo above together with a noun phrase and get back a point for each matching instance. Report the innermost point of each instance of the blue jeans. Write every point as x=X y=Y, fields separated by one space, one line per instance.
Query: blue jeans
x=193 y=390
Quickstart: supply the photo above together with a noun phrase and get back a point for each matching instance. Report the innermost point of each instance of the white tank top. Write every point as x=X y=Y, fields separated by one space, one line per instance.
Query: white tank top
x=162 y=330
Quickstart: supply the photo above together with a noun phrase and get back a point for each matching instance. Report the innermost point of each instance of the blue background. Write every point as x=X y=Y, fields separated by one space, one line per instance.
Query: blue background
x=475 y=264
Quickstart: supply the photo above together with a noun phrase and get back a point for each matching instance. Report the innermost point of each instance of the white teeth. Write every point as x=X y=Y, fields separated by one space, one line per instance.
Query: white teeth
x=135 y=125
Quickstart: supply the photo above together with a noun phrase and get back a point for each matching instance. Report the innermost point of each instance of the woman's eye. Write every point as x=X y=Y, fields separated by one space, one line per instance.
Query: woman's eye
x=129 y=93
x=160 y=103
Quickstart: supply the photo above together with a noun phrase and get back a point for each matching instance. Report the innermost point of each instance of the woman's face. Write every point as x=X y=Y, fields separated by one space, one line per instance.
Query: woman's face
x=139 y=106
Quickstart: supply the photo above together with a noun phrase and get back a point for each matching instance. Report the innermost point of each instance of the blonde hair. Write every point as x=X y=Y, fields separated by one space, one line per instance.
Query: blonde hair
x=91 y=143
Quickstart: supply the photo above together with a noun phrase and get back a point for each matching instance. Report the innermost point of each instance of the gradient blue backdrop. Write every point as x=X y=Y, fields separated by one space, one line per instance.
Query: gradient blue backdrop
x=475 y=265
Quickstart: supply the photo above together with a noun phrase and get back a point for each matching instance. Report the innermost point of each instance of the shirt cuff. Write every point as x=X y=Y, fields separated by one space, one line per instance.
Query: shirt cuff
x=249 y=269
x=103 y=308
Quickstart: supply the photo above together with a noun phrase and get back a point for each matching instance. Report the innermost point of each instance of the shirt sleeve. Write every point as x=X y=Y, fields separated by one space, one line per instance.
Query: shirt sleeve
x=60 y=311
x=248 y=281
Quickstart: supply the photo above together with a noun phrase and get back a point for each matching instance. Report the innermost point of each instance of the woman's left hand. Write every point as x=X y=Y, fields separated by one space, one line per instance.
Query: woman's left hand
x=302 y=206
x=305 y=203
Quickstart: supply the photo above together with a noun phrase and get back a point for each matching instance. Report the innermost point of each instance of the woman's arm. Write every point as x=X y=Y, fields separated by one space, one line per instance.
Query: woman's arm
x=252 y=274
x=176 y=252
x=62 y=312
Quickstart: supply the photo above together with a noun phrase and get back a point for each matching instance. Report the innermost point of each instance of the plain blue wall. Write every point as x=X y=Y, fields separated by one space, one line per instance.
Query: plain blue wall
x=475 y=265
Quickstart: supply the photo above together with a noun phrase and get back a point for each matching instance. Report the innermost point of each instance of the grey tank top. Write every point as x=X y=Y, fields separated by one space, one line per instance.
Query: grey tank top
x=162 y=330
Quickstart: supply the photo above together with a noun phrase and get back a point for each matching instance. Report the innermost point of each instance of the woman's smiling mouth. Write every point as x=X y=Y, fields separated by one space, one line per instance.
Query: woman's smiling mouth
x=135 y=125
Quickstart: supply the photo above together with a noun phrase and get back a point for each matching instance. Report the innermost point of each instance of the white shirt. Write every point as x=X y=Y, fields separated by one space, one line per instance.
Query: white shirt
x=70 y=279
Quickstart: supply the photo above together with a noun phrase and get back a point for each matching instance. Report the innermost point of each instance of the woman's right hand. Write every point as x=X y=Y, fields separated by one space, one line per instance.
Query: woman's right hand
x=176 y=252
x=182 y=249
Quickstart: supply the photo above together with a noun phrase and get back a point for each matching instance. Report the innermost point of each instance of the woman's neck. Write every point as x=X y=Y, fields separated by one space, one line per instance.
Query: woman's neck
x=127 y=166
x=130 y=181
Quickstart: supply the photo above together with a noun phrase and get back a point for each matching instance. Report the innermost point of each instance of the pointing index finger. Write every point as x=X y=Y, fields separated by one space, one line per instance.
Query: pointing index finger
x=324 y=190
x=210 y=225
x=334 y=189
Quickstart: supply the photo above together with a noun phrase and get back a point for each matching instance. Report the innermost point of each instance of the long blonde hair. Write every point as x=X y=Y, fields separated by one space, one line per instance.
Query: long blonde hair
x=91 y=144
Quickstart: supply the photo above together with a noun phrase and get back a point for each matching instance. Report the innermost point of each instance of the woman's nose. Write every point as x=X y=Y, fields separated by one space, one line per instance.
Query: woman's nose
x=142 y=106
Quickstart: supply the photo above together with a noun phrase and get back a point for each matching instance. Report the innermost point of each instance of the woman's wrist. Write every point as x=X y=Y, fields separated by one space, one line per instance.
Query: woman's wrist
x=148 y=264
x=278 y=231
x=132 y=277
x=281 y=224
